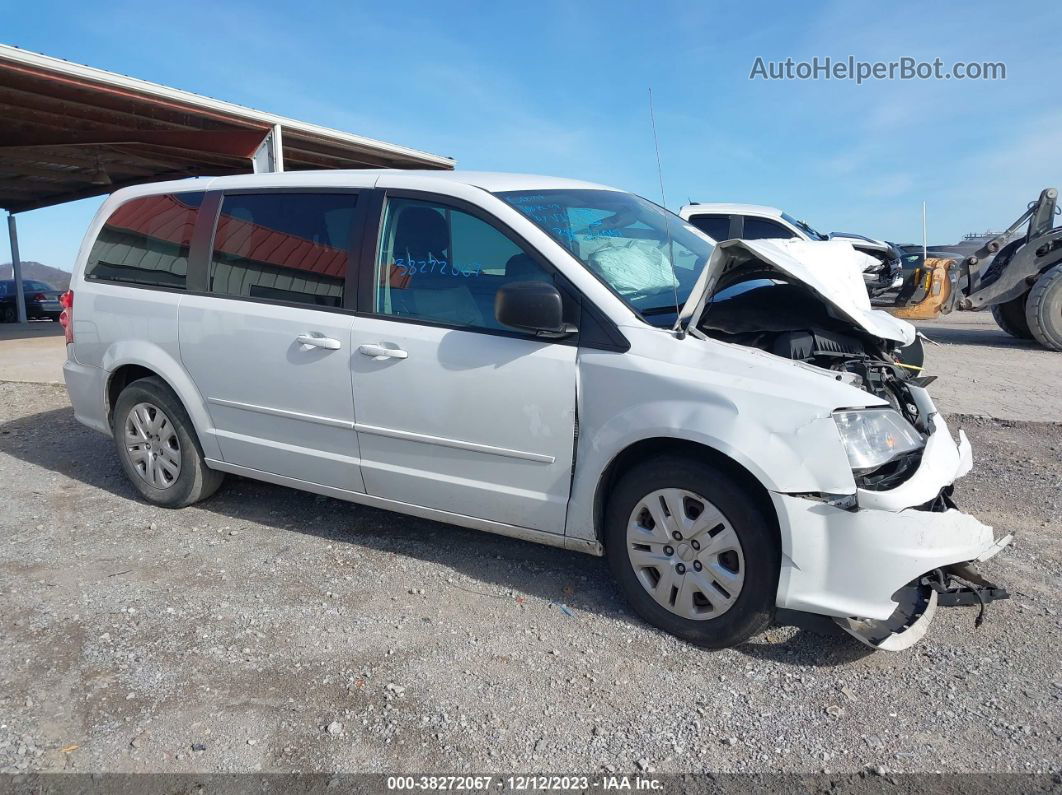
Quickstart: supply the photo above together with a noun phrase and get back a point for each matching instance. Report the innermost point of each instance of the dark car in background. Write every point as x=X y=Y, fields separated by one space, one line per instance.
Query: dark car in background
x=42 y=301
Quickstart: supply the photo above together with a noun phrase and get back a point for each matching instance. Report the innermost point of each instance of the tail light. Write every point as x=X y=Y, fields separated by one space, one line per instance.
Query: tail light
x=39 y=297
x=66 y=318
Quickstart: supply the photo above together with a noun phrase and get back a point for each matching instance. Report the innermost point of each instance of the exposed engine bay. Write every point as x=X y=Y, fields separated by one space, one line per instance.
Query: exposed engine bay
x=759 y=307
x=789 y=320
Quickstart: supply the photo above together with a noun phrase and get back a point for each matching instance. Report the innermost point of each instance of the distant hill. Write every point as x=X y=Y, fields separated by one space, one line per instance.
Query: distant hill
x=58 y=279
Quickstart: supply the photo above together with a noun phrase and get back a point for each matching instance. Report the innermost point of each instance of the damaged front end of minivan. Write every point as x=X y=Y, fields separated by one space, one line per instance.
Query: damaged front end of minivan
x=881 y=558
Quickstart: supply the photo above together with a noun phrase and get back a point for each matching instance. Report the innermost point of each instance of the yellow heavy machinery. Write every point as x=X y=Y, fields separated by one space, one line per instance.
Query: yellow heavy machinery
x=1017 y=276
x=927 y=291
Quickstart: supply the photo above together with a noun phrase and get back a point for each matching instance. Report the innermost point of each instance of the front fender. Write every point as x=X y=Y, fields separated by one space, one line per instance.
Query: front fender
x=786 y=445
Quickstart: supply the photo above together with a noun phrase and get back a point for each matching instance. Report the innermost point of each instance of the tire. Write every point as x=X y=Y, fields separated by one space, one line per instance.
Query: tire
x=10 y=314
x=1043 y=309
x=167 y=465
x=726 y=618
x=1010 y=316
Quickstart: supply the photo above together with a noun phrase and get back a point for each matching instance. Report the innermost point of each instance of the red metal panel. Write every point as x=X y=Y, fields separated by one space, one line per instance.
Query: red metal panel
x=262 y=244
x=237 y=143
x=166 y=218
x=160 y=217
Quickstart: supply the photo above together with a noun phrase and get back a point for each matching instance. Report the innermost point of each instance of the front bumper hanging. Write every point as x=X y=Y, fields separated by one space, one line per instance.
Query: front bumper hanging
x=951 y=586
x=961 y=585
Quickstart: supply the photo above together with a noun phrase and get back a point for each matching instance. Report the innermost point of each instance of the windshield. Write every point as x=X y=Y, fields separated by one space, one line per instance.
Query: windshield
x=647 y=255
x=803 y=225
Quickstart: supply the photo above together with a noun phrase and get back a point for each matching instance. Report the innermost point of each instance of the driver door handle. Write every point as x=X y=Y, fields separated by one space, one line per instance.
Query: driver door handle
x=314 y=341
x=379 y=352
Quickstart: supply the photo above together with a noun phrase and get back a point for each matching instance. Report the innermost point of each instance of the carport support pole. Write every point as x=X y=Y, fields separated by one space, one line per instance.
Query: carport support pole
x=16 y=267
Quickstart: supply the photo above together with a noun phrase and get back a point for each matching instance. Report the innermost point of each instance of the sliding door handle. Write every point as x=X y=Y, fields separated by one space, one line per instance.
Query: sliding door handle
x=314 y=341
x=379 y=352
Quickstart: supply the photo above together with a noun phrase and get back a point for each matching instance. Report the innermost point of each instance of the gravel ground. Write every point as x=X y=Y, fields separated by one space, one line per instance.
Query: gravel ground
x=977 y=365
x=269 y=629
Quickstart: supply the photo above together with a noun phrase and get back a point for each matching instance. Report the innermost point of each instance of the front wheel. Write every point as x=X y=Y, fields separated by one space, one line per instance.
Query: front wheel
x=1043 y=309
x=1010 y=316
x=692 y=551
x=158 y=447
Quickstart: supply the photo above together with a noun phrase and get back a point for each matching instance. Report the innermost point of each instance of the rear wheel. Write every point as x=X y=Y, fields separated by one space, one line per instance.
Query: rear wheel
x=692 y=551
x=158 y=447
x=1010 y=316
x=1043 y=309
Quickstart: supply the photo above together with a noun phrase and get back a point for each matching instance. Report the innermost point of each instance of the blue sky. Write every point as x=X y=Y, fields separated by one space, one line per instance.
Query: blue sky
x=561 y=88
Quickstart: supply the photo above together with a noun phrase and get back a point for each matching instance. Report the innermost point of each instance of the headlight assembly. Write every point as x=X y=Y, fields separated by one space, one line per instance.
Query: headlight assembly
x=874 y=437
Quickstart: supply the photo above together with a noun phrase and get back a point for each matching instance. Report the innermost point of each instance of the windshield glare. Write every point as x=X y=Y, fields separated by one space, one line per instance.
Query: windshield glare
x=647 y=255
x=812 y=233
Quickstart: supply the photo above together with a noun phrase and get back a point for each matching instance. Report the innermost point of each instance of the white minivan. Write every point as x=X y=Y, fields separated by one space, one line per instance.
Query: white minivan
x=547 y=359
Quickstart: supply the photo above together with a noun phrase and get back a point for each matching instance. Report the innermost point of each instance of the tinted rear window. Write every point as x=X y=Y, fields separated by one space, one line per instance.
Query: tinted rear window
x=146 y=241
x=716 y=227
x=290 y=247
x=762 y=229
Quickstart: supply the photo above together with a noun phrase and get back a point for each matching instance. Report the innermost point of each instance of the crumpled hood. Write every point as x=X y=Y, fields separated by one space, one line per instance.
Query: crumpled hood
x=832 y=269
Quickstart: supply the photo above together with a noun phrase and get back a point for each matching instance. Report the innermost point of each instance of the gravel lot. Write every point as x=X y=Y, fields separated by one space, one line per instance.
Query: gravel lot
x=273 y=630
x=977 y=366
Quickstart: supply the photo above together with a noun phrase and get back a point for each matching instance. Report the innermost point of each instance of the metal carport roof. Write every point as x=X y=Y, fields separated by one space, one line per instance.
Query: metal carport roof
x=69 y=131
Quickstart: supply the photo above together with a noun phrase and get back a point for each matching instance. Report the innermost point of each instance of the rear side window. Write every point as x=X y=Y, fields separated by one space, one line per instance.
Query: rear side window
x=146 y=241
x=716 y=227
x=761 y=229
x=291 y=247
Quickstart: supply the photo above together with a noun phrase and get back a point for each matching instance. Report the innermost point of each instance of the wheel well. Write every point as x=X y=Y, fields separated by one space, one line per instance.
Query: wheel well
x=121 y=378
x=653 y=448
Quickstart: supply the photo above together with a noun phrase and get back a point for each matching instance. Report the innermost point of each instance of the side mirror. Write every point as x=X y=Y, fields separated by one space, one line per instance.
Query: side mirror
x=532 y=306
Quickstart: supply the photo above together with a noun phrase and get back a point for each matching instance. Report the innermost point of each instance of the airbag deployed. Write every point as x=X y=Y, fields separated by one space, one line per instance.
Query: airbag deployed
x=635 y=271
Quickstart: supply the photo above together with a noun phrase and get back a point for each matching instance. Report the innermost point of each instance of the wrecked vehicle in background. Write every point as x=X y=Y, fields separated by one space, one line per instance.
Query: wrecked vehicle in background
x=881 y=264
x=542 y=358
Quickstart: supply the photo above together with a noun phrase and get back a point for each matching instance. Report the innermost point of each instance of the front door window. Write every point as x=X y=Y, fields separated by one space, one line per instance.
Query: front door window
x=444 y=266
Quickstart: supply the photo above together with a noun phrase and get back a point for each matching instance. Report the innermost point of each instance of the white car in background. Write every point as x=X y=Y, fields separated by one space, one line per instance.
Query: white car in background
x=543 y=358
x=722 y=221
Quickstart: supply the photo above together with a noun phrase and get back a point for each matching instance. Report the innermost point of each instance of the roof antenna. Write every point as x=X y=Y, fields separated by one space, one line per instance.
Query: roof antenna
x=925 y=246
x=680 y=333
